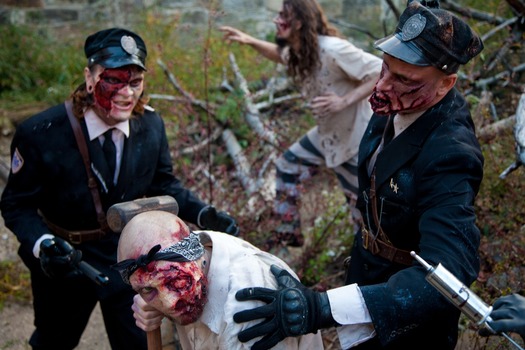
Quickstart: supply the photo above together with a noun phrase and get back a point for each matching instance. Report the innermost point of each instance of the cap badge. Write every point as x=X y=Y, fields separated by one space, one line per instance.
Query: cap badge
x=129 y=45
x=413 y=27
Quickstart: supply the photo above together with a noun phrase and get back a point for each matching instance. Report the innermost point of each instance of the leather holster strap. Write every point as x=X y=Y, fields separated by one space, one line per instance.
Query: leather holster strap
x=385 y=250
x=76 y=237
x=82 y=146
x=379 y=244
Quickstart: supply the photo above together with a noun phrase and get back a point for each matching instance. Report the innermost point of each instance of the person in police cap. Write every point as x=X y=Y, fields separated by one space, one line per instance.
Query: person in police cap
x=55 y=200
x=420 y=168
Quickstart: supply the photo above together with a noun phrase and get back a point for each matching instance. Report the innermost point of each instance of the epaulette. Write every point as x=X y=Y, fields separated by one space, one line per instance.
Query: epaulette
x=149 y=108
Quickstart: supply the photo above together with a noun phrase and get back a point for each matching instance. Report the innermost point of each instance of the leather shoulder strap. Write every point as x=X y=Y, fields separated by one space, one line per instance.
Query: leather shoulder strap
x=82 y=146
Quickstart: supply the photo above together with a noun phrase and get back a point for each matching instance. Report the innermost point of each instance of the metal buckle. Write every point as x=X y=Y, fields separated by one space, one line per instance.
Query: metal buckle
x=74 y=237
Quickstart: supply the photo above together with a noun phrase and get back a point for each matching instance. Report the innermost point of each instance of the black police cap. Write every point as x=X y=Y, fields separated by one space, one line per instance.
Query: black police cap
x=115 y=47
x=431 y=37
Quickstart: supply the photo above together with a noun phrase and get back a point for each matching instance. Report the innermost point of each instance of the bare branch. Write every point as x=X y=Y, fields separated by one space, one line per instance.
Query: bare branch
x=252 y=113
x=471 y=13
x=179 y=88
x=495 y=129
x=483 y=83
x=499 y=27
x=353 y=27
x=201 y=145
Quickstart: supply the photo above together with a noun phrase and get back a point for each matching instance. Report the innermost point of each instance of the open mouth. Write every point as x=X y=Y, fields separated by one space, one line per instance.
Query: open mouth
x=125 y=105
x=281 y=27
x=183 y=307
x=379 y=100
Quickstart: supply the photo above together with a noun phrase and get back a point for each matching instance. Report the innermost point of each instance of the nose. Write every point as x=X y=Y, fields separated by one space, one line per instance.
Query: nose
x=168 y=299
x=384 y=81
x=126 y=90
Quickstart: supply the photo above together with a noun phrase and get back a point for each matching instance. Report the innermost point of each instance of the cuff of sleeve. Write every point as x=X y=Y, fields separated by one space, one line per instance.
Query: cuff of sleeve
x=199 y=216
x=350 y=311
x=36 y=247
x=348 y=305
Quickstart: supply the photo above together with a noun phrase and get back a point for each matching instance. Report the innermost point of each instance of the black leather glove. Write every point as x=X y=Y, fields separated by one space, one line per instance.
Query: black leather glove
x=58 y=258
x=291 y=311
x=210 y=218
x=508 y=315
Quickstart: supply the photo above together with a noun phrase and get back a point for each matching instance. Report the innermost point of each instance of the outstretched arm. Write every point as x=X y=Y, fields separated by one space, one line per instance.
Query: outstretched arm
x=265 y=48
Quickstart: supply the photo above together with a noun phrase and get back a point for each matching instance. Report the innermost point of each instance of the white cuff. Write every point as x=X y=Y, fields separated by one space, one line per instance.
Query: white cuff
x=199 y=216
x=350 y=311
x=36 y=247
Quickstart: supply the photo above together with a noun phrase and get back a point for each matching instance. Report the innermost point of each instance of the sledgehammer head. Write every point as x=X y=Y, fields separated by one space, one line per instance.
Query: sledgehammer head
x=120 y=214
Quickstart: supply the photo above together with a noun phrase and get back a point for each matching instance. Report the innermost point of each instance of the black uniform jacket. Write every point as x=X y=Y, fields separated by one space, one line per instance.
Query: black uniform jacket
x=426 y=181
x=53 y=180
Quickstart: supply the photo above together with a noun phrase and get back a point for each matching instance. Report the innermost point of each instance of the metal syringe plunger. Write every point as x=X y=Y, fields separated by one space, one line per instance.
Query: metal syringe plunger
x=460 y=295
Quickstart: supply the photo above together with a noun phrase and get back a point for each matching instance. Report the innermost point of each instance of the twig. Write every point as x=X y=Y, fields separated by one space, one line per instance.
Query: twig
x=175 y=83
x=471 y=13
x=267 y=104
x=483 y=83
x=201 y=145
x=491 y=131
x=353 y=27
x=252 y=113
x=242 y=167
x=499 y=27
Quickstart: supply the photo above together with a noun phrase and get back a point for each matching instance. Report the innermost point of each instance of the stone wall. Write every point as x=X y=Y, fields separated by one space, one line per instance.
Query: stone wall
x=57 y=12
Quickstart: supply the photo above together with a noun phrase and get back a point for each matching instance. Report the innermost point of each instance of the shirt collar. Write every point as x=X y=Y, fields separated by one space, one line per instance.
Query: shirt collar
x=97 y=127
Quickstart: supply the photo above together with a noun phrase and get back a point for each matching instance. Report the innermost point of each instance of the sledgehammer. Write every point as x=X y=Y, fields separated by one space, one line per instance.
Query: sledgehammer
x=120 y=214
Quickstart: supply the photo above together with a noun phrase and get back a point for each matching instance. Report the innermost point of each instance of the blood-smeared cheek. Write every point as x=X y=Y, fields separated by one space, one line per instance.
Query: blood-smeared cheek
x=400 y=97
x=186 y=281
x=188 y=286
x=111 y=81
x=416 y=96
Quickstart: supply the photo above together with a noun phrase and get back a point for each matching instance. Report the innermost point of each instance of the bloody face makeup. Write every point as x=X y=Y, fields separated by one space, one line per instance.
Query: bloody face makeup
x=283 y=24
x=404 y=88
x=178 y=290
x=117 y=91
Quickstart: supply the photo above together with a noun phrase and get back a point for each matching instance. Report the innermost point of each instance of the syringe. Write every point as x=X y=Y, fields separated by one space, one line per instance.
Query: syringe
x=460 y=295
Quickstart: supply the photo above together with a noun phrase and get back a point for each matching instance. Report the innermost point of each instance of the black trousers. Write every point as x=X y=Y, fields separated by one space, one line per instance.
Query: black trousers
x=63 y=307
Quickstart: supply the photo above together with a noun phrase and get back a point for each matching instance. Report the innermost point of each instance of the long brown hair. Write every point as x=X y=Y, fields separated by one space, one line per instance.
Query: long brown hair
x=83 y=100
x=313 y=21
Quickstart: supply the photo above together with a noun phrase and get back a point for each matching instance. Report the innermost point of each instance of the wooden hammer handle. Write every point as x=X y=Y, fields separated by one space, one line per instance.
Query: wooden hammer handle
x=154 y=339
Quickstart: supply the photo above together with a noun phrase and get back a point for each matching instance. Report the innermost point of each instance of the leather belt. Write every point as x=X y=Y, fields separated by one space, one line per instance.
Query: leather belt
x=377 y=247
x=77 y=237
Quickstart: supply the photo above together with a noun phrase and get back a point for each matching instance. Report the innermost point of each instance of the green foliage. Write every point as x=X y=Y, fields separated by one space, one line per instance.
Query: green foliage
x=33 y=66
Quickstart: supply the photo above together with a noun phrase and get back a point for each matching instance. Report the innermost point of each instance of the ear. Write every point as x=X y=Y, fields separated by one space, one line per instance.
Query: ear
x=88 y=77
x=297 y=25
x=447 y=83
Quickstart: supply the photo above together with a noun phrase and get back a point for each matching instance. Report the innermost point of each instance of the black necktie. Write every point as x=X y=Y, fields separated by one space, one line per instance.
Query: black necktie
x=110 y=153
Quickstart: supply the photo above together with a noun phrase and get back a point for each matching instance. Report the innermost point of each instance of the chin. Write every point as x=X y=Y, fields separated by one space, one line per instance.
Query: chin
x=120 y=116
x=281 y=42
